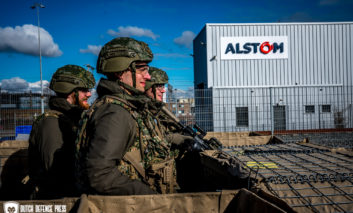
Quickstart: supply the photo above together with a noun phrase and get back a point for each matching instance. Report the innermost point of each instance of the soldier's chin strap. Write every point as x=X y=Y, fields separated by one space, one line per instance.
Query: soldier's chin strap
x=154 y=92
x=76 y=97
x=133 y=74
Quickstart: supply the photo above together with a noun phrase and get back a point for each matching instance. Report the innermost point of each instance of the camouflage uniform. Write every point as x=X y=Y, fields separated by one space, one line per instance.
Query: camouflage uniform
x=168 y=126
x=120 y=150
x=51 y=143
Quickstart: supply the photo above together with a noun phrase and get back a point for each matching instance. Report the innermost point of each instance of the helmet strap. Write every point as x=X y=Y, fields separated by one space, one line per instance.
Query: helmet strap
x=154 y=92
x=76 y=96
x=133 y=74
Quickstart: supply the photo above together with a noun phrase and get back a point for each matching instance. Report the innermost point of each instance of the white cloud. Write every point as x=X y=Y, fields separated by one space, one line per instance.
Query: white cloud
x=35 y=87
x=185 y=39
x=171 y=55
x=24 y=39
x=94 y=49
x=132 y=31
x=179 y=93
x=13 y=84
x=18 y=84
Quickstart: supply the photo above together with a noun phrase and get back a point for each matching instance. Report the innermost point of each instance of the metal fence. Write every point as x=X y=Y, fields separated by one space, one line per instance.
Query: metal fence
x=17 y=112
x=275 y=109
x=271 y=109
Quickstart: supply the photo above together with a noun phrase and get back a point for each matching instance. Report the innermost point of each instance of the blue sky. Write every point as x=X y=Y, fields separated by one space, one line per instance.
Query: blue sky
x=73 y=31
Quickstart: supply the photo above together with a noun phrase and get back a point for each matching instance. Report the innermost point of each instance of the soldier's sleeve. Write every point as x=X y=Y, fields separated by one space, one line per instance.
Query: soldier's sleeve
x=177 y=139
x=114 y=131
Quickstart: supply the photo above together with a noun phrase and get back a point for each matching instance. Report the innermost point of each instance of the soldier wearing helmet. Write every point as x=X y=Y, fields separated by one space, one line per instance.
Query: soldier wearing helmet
x=73 y=83
x=53 y=135
x=155 y=88
x=120 y=150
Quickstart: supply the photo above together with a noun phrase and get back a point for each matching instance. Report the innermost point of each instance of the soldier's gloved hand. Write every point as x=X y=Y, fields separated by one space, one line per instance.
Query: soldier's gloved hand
x=178 y=139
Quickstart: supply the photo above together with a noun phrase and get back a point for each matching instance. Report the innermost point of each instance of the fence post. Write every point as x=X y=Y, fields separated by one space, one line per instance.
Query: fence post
x=271 y=108
x=224 y=119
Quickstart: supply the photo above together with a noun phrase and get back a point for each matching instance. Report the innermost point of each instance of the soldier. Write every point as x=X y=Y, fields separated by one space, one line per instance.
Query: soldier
x=155 y=88
x=120 y=150
x=53 y=135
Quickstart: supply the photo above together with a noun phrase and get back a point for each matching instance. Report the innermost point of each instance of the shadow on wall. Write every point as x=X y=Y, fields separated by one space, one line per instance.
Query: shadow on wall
x=14 y=167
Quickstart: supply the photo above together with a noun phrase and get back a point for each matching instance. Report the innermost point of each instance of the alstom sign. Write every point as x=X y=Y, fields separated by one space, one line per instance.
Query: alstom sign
x=267 y=47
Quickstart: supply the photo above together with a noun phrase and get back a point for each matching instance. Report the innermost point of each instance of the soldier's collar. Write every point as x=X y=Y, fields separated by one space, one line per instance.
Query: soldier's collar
x=62 y=105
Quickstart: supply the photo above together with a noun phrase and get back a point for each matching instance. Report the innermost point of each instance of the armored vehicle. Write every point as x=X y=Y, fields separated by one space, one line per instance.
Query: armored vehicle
x=250 y=173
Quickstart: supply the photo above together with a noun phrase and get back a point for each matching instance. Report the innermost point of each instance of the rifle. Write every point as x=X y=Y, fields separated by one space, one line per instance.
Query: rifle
x=191 y=163
x=198 y=134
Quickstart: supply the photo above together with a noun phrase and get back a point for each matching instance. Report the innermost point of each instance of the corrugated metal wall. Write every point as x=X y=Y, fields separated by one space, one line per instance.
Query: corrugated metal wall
x=319 y=60
x=319 y=53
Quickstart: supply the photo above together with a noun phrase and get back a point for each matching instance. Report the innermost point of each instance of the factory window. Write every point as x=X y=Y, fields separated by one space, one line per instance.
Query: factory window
x=242 y=116
x=309 y=109
x=326 y=108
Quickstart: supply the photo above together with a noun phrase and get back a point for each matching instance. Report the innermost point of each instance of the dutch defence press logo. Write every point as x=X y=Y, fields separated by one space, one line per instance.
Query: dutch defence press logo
x=14 y=207
x=11 y=207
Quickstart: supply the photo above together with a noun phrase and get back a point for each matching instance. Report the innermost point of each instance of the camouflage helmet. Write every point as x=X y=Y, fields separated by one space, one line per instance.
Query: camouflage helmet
x=158 y=76
x=70 y=77
x=119 y=53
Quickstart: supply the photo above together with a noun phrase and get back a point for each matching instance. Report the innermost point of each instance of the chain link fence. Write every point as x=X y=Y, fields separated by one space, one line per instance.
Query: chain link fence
x=17 y=112
x=275 y=109
x=272 y=109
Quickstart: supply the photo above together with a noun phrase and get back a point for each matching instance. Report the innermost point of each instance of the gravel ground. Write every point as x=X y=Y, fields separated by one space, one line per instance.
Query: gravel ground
x=332 y=139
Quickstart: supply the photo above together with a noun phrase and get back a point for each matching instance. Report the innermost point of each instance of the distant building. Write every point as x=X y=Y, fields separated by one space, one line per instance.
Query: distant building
x=18 y=109
x=183 y=108
x=274 y=76
x=169 y=94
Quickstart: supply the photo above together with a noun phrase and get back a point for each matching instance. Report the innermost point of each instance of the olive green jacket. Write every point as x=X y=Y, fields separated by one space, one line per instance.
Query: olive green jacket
x=51 y=149
x=111 y=131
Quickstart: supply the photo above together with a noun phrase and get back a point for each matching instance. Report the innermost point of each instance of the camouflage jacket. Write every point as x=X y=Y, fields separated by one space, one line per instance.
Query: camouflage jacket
x=169 y=128
x=51 y=149
x=117 y=124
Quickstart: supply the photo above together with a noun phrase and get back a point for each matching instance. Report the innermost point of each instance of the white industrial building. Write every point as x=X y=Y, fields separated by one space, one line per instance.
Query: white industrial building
x=274 y=76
